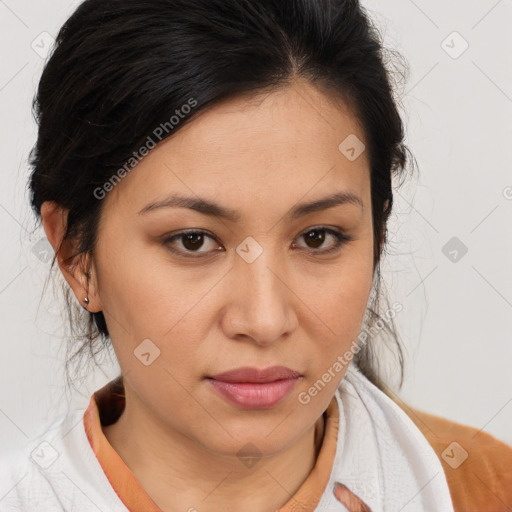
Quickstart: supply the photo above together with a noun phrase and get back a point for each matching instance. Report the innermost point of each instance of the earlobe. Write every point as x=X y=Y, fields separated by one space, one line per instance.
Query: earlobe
x=72 y=265
x=90 y=300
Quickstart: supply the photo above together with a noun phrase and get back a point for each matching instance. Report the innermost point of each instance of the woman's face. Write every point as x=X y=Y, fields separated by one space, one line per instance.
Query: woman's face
x=259 y=290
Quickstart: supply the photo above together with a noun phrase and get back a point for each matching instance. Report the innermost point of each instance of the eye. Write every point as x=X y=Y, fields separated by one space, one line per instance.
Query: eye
x=190 y=242
x=317 y=236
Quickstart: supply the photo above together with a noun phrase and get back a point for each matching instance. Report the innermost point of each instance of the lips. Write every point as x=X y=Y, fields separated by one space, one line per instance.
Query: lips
x=252 y=388
x=249 y=374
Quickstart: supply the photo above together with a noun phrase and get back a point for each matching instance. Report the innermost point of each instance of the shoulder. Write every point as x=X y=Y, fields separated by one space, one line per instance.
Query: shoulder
x=56 y=470
x=478 y=467
x=22 y=486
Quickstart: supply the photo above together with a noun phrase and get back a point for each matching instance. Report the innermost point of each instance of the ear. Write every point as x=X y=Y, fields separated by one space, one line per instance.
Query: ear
x=78 y=270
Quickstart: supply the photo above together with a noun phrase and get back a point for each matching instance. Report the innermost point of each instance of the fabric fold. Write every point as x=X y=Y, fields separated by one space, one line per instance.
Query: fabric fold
x=382 y=457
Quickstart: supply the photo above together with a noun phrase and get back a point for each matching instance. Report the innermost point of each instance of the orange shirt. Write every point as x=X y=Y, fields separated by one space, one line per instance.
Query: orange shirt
x=478 y=467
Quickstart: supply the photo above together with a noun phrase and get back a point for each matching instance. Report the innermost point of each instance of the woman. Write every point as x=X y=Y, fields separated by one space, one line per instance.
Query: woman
x=215 y=178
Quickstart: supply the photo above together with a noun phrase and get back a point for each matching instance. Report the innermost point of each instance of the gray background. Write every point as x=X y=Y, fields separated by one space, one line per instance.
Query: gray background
x=455 y=322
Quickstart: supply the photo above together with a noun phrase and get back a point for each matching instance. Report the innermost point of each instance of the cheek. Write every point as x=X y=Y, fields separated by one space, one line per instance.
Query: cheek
x=144 y=296
x=339 y=296
x=337 y=308
x=138 y=283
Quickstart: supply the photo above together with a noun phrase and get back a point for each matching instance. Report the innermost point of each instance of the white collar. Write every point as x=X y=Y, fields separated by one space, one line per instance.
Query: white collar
x=381 y=455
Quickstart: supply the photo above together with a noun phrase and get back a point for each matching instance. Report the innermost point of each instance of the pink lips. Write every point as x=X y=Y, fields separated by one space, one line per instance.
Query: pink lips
x=251 y=388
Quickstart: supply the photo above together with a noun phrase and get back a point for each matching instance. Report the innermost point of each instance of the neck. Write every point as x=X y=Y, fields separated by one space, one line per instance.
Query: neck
x=180 y=474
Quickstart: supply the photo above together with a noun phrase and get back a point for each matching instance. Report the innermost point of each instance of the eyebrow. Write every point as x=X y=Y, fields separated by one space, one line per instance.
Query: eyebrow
x=215 y=210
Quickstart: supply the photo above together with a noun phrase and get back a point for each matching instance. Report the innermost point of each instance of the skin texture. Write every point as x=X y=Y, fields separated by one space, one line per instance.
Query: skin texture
x=291 y=306
x=352 y=502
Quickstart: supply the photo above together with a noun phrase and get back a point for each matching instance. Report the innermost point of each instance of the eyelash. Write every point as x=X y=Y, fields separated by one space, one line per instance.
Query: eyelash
x=341 y=240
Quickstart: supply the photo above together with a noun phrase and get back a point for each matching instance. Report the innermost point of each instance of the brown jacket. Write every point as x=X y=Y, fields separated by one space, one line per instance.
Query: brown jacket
x=478 y=466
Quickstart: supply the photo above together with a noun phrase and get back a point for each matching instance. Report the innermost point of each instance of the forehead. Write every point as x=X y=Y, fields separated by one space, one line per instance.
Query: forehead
x=271 y=147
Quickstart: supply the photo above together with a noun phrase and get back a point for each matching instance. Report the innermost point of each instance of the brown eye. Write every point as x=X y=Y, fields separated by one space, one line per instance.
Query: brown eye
x=317 y=236
x=191 y=243
x=194 y=243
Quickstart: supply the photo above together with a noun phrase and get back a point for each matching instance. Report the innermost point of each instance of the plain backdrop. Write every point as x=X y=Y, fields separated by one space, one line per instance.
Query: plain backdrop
x=449 y=256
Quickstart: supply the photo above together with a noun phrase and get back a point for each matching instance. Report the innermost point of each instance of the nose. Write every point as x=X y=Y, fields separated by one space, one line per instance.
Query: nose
x=261 y=301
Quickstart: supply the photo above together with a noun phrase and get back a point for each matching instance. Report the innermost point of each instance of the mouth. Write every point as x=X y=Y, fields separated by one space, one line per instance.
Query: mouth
x=252 y=388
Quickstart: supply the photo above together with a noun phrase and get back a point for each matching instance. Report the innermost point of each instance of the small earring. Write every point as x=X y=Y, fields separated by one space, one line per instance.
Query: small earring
x=86 y=300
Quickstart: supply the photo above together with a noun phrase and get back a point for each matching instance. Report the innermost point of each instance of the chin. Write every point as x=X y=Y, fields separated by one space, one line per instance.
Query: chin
x=252 y=443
